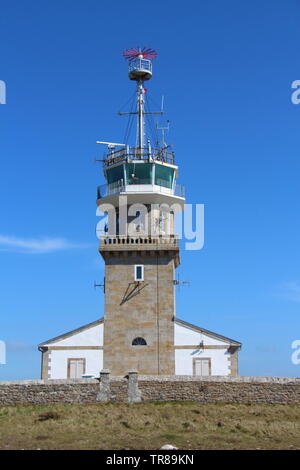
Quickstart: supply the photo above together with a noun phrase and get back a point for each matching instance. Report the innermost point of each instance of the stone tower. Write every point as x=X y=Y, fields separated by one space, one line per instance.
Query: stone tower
x=139 y=247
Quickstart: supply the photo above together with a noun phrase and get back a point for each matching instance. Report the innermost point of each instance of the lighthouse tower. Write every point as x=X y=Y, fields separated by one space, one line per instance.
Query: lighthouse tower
x=139 y=246
x=139 y=329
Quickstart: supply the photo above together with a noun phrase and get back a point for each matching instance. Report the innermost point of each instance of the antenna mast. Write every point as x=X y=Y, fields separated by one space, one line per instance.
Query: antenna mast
x=140 y=69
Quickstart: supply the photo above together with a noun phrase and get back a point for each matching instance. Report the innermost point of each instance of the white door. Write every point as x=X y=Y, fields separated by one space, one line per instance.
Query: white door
x=76 y=368
x=202 y=367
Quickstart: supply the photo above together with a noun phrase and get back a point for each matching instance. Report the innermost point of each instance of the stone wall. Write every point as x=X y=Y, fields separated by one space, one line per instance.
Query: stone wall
x=139 y=310
x=222 y=389
x=281 y=390
x=43 y=392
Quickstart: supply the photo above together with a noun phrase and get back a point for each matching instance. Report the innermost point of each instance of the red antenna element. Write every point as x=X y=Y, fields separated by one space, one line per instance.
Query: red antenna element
x=146 y=53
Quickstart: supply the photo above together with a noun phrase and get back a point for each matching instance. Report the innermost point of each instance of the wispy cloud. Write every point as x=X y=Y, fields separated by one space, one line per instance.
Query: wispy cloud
x=291 y=290
x=38 y=245
x=19 y=346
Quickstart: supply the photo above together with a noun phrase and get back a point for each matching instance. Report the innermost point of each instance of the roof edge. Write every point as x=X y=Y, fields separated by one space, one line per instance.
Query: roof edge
x=208 y=332
x=72 y=332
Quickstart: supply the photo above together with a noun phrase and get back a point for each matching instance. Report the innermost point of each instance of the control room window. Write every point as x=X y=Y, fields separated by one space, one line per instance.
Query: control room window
x=138 y=272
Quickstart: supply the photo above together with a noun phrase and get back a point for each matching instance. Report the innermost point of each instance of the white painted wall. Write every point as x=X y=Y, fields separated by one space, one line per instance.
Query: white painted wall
x=219 y=360
x=90 y=337
x=59 y=361
x=183 y=336
x=186 y=336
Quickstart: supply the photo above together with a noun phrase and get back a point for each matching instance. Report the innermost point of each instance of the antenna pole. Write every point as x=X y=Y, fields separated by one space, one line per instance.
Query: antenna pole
x=140 y=69
x=140 y=103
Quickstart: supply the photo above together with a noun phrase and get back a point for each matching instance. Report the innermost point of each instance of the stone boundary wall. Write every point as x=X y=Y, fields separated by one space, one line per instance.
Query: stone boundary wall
x=134 y=388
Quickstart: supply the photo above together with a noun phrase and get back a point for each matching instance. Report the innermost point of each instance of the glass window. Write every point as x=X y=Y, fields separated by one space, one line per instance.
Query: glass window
x=115 y=174
x=139 y=342
x=138 y=173
x=164 y=176
x=138 y=272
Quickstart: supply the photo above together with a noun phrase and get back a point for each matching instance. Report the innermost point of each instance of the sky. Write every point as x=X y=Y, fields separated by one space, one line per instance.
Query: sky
x=225 y=70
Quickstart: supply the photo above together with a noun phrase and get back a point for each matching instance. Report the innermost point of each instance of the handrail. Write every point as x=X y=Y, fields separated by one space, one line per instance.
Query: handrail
x=140 y=64
x=136 y=153
x=117 y=187
x=108 y=240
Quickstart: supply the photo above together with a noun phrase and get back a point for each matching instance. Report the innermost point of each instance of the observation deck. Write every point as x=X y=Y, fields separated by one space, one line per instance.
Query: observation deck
x=128 y=154
x=144 y=175
x=140 y=69
x=144 y=191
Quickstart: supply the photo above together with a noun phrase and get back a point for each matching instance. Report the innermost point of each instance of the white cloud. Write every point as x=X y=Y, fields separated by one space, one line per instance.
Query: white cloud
x=19 y=346
x=41 y=245
x=291 y=290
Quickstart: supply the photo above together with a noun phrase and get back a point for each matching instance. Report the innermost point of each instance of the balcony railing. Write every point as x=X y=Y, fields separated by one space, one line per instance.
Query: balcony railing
x=124 y=242
x=135 y=153
x=118 y=187
x=140 y=64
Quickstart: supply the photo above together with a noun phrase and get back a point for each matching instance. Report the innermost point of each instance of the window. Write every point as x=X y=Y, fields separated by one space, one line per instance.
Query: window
x=115 y=174
x=76 y=368
x=138 y=173
x=139 y=342
x=202 y=366
x=164 y=176
x=138 y=272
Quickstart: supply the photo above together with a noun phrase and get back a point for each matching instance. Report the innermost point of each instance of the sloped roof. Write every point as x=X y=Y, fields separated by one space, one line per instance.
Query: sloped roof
x=177 y=320
x=232 y=342
x=72 y=332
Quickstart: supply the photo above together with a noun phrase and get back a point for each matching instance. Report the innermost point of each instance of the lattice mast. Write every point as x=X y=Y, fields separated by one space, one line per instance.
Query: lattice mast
x=140 y=69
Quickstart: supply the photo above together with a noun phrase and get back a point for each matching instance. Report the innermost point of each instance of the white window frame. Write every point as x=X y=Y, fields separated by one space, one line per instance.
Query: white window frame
x=135 y=272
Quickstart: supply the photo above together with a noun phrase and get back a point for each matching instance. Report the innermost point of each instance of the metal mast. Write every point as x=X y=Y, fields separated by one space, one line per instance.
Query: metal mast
x=140 y=106
x=140 y=69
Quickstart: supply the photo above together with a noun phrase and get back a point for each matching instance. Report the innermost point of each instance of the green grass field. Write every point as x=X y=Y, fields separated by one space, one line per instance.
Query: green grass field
x=149 y=426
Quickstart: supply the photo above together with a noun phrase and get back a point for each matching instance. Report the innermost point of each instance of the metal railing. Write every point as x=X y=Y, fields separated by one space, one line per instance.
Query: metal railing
x=136 y=153
x=110 y=189
x=140 y=64
x=179 y=190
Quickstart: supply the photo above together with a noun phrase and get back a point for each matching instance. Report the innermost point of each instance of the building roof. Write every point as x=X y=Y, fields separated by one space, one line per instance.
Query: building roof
x=177 y=320
x=232 y=342
x=72 y=332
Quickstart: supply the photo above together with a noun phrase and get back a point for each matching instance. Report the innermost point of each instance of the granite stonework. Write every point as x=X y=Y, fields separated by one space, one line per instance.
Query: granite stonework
x=272 y=390
x=139 y=309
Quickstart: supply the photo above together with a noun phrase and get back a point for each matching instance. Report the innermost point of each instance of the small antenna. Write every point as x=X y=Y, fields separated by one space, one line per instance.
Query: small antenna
x=100 y=285
x=163 y=129
x=99 y=160
x=162 y=104
x=178 y=283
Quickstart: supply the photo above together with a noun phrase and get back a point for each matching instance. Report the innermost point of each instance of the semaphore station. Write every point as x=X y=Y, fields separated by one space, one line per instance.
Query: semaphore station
x=140 y=329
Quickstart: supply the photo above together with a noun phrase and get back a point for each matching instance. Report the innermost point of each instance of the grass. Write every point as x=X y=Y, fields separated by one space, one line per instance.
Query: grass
x=149 y=426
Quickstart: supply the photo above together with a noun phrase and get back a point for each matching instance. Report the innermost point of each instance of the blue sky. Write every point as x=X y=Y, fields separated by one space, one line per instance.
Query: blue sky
x=225 y=69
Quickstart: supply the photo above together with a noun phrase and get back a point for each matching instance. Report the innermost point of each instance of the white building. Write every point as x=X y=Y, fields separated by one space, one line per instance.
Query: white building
x=197 y=352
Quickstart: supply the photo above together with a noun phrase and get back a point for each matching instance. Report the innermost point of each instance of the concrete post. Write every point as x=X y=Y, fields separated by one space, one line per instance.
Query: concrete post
x=104 y=392
x=134 y=394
